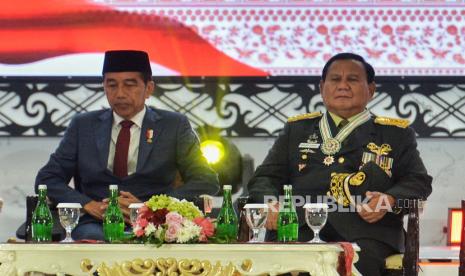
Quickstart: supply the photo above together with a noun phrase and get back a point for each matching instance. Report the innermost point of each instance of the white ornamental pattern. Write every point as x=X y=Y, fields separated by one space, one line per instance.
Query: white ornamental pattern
x=237 y=107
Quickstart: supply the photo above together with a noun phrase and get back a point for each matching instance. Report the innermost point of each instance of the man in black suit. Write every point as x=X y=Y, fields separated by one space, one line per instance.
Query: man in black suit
x=364 y=163
x=139 y=148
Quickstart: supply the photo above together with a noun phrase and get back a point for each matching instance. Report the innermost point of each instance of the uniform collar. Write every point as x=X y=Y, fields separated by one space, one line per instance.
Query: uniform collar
x=337 y=119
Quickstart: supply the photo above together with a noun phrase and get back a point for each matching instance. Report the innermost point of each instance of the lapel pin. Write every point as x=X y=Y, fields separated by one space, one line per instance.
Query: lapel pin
x=149 y=135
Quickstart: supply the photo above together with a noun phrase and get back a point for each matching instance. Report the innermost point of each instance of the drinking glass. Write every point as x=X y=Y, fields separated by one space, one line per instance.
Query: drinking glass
x=69 y=217
x=134 y=211
x=256 y=215
x=315 y=216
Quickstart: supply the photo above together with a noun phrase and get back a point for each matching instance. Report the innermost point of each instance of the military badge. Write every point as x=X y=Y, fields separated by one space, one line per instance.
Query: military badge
x=313 y=139
x=332 y=145
x=302 y=166
x=384 y=149
x=329 y=160
x=379 y=156
x=307 y=151
x=308 y=146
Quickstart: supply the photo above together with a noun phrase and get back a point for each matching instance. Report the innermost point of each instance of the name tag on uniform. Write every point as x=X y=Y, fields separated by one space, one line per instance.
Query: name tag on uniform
x=309 y=145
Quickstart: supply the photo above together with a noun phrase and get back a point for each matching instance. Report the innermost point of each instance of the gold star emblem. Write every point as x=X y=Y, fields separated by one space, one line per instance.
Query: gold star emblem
x=328 y=160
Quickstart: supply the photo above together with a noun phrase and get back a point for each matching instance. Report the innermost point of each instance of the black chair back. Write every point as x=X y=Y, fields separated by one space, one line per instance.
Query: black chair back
x=412 y=247
x=25 y=230
x=462 y=243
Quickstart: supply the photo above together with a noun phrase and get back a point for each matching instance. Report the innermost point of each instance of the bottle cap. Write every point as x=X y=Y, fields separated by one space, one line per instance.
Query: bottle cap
x=256 y=206
x=113 y=187
x=136 y=205
x=69 y=205
x=227 y=187
x=316 y=205
x=42 y=187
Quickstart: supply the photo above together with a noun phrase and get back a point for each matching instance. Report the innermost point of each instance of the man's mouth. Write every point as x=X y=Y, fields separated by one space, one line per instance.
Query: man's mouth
x=121 y=105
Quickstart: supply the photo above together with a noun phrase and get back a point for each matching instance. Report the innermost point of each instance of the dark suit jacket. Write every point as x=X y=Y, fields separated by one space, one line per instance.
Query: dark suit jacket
x=281 y=166
x=83 y=154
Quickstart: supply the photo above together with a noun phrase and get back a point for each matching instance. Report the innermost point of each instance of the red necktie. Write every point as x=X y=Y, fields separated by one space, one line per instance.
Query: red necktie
x=120 y=164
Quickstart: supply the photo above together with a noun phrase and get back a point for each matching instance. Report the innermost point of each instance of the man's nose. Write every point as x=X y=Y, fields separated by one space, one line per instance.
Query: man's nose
x=343 y=84
x=119 y=93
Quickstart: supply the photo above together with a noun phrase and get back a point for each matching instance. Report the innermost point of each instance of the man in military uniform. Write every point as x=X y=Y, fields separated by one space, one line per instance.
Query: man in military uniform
x=343 y=153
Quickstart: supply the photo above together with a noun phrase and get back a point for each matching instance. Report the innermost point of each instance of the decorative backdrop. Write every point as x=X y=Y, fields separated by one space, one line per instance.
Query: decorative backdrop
x=240 y=107
x=233 y=37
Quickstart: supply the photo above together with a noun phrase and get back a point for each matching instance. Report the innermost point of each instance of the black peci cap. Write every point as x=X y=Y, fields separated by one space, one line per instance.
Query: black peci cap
x=126 y=61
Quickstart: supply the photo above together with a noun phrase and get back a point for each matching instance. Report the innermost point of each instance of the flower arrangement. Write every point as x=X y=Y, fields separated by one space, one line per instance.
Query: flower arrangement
x=165 y=219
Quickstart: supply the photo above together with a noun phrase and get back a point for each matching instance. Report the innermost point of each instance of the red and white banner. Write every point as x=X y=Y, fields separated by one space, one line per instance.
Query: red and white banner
x=233 y=37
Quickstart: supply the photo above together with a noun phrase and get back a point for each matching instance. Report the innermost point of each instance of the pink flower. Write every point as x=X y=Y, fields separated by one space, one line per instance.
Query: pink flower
x=139 y=231
x=142 y=222
x=172 y=232
x=173 y=218
x=144 y=213
x=208 y=229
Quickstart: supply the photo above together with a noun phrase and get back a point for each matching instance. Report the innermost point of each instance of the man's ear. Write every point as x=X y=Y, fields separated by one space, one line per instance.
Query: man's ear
x=321 y=86
x=149 y=89
x=372 y=89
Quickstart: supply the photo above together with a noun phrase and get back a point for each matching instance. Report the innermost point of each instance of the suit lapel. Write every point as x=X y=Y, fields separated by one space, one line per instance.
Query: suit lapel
x=145 y=146
x=103 y=136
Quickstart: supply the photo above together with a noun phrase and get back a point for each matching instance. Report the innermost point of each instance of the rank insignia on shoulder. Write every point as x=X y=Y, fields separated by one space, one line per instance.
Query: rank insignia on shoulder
x=304 y=116
x=387 y=121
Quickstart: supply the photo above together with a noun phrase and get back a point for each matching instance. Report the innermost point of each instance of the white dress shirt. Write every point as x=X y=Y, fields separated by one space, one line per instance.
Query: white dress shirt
x=133 y=152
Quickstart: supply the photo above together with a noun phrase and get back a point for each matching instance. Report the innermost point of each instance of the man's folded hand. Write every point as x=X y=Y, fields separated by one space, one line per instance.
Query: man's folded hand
x=96 y=209
x=378 y=205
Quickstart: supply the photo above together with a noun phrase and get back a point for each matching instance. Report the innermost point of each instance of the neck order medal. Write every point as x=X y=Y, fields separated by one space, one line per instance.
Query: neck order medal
x=332 y=145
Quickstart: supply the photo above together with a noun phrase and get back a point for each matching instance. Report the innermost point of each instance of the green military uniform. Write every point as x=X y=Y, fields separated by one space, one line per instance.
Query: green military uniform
x=384 y=149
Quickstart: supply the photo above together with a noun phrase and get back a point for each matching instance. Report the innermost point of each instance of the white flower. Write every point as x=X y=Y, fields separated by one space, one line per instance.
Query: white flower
x=159 y=232
x=188 y=232
x=149 y=229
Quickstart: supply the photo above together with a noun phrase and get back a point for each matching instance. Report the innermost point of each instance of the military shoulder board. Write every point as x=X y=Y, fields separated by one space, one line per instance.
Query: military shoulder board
x=402 y=123
x=304 y=116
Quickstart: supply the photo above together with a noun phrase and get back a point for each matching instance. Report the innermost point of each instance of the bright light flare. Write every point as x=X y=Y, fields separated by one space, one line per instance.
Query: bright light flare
x=212 y=150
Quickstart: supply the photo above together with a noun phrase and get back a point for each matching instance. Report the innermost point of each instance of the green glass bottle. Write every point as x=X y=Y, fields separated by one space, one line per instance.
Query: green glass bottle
x=42 y=221
x=113 y=221
x=288 y=223
x=227 y=222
